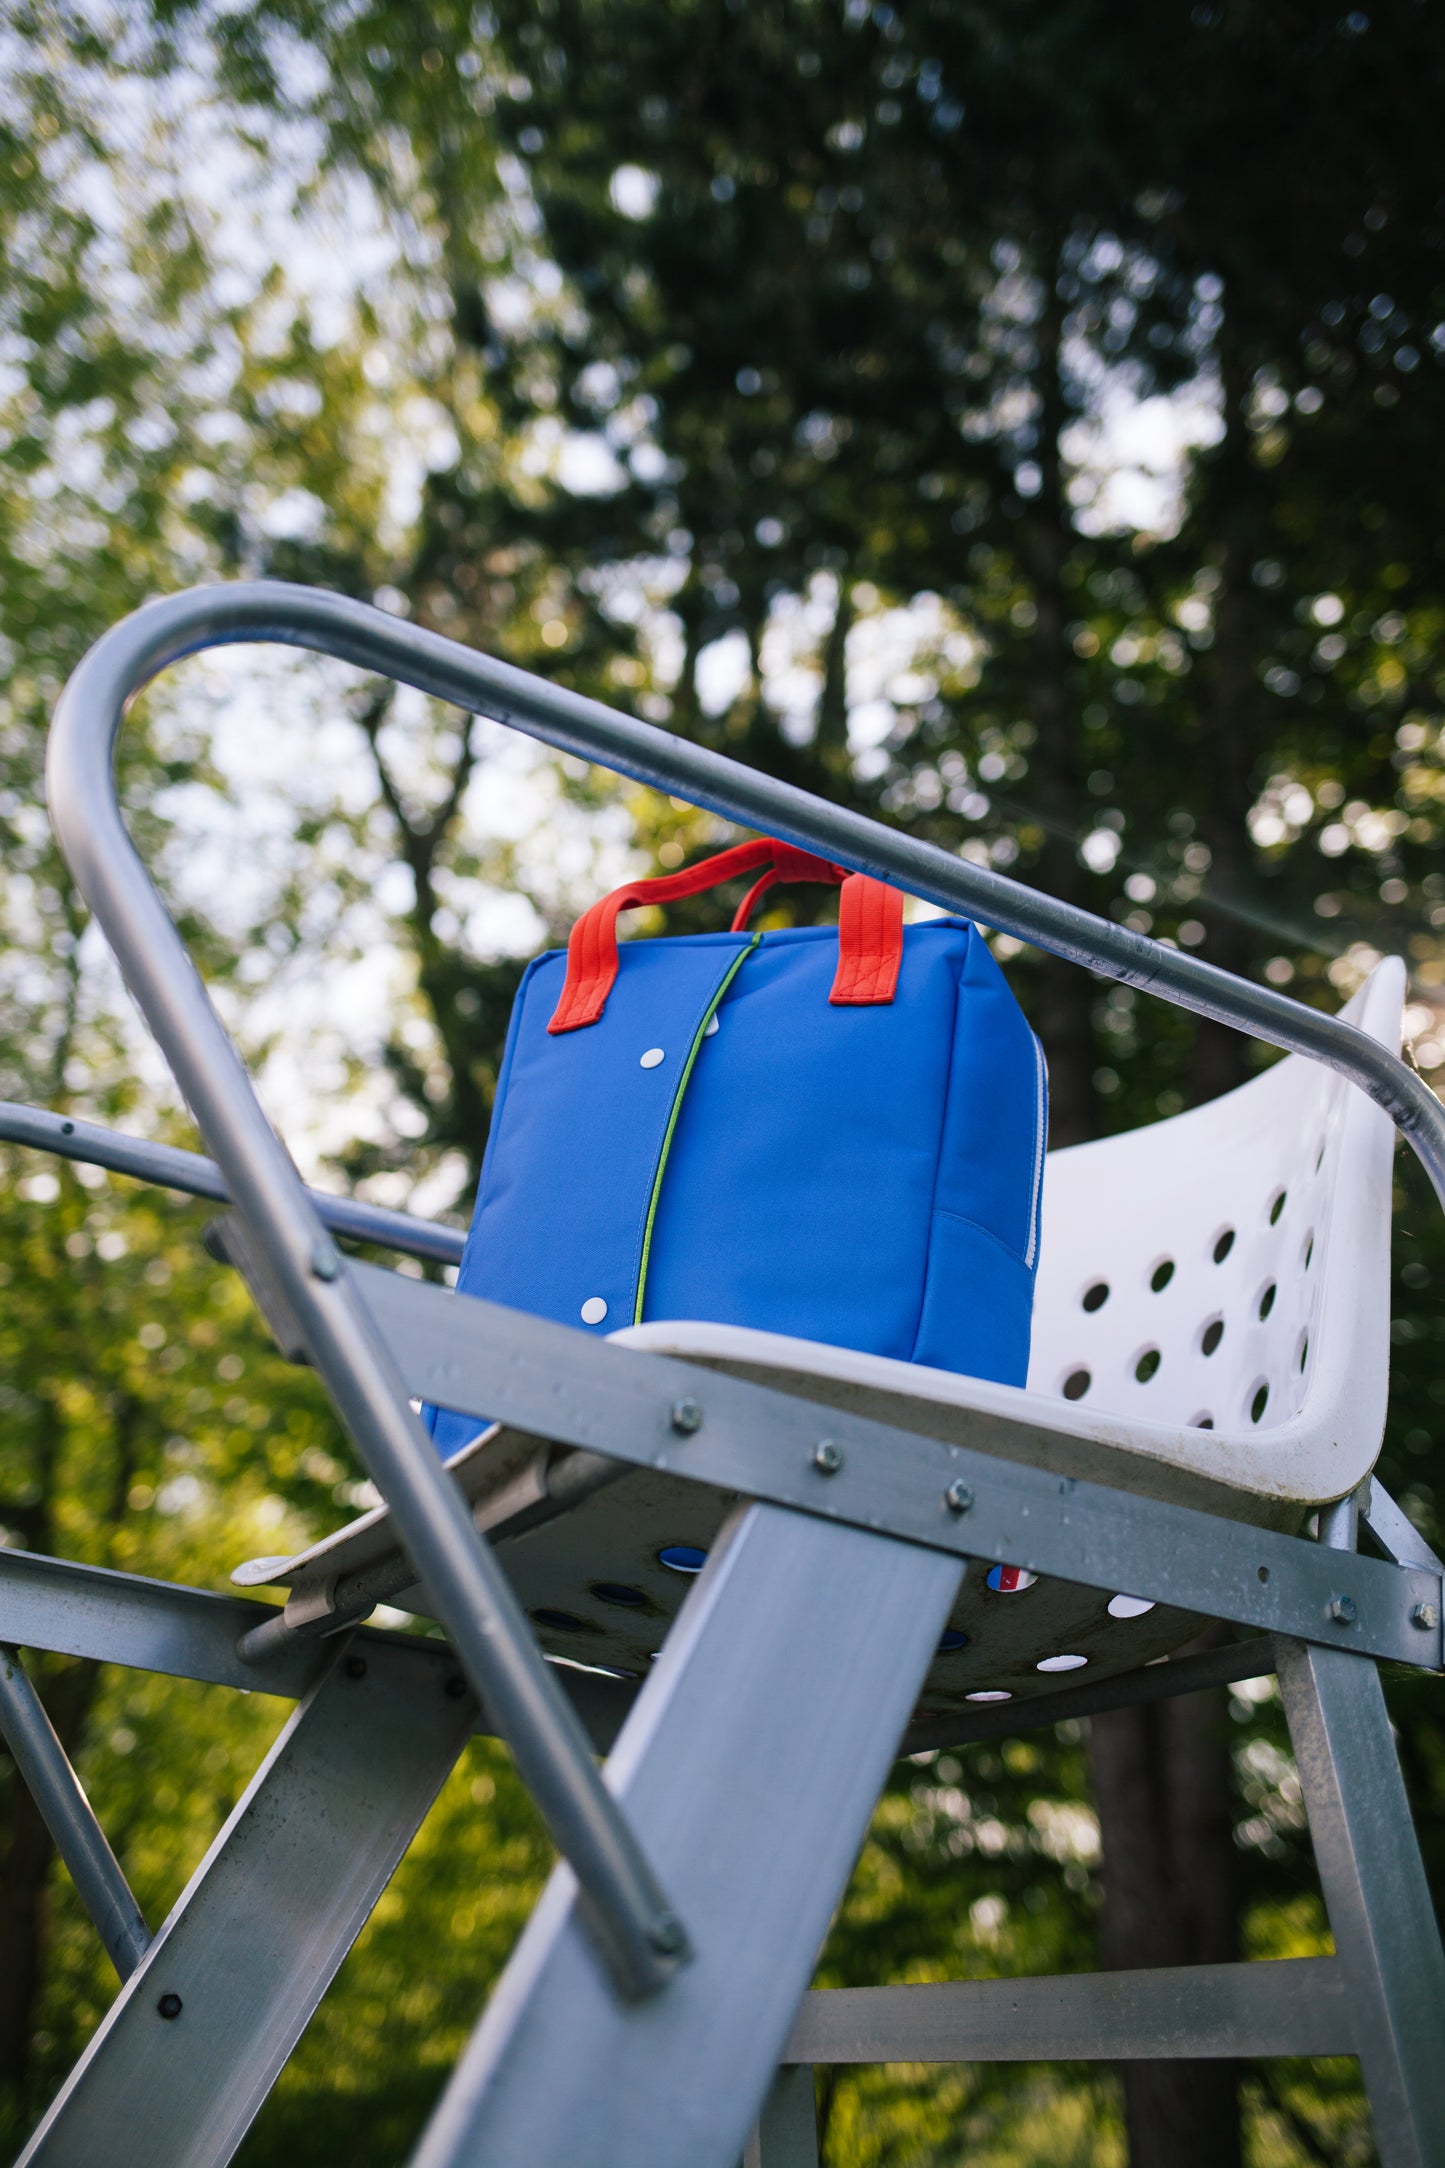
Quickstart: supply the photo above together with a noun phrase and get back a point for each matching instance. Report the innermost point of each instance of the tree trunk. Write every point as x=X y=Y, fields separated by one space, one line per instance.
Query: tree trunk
x=1162 y=1783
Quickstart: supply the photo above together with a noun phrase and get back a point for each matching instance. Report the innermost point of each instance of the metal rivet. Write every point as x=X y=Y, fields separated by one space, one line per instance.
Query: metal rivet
x=653 y=1058
x=169 y=2004
x=709 y=1027
x=667 y=1935
x=959 y=1496
x=1342 y=1610
x=355 y=1667
x=827 y=1457
x=594 y=1309
x=326 y=1260
x=686 y=1417
x=1425 y=1616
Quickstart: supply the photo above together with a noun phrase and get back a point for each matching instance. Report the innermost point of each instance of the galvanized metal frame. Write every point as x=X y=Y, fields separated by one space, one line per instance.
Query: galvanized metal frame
x=362 y=1328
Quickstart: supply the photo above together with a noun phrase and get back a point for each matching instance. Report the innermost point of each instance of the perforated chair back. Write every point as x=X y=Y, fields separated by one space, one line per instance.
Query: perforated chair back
x=1228 y=1270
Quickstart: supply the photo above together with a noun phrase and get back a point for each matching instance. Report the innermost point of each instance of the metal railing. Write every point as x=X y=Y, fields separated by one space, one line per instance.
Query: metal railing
x=469 y=1593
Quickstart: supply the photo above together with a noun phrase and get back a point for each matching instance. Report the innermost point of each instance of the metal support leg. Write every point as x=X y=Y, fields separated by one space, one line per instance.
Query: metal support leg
x=1375 y=1889
x=749 y=1767
x=195 y=2041
x=787 y=2132
x=69 y=1816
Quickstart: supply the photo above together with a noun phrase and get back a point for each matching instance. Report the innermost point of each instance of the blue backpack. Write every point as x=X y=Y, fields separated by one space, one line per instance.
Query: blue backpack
x=830 y=1132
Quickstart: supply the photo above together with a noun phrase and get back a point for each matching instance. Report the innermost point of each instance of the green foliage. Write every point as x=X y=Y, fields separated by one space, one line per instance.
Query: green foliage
x=619 y=339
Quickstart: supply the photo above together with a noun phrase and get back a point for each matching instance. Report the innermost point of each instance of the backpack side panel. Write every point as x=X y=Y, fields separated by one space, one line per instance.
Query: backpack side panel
x=983 y=1247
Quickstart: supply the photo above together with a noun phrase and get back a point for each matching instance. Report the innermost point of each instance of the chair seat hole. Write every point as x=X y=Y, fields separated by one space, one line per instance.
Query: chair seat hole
x=1076 y=1384
x=1211 y=1336
x=1202 y=1422
x=1096 y=1296
x=1259 y=1403
x=1278 y=1207
x=1162 y=1274
x=682 y=1557
x=1304 y=1349
x=952 y=1641
x=1309 y=1250
x=1010 y=1580
x=620 y=1593
x=1223 y=1244
x=990 y=1693
x=1266 y=1300
x=1061 y=1663
x=1129 y=1606
x=1147 y=1365
x=561 y=1622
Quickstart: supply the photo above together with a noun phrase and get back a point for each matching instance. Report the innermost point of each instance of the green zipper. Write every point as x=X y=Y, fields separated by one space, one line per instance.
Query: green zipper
x=677 y=1098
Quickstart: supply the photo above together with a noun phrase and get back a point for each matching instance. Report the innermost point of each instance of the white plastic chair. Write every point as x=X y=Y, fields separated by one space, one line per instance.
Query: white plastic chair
x=1211 y=1328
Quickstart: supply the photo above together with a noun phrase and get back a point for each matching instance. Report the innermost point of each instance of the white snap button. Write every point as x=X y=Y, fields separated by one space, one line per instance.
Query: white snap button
x=710 y=1027
x=594 y=1309
x=652 y=1057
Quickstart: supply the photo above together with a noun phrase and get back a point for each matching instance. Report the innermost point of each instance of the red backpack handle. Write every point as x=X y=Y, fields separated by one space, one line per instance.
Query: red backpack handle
x=870 y=926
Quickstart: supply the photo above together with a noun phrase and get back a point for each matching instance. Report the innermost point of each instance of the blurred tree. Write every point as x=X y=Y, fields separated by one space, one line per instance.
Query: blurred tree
x=758 y=368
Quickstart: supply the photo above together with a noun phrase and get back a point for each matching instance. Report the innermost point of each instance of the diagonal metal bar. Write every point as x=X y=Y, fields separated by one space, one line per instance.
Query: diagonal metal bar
x=556 y=1382
x=196 y=2039
x=751 y=1763
x=189 y=1633
x=69 y=1816
x=1375 y=1889
x=641 y=1936
x=1395 y=1532
x=195 y=1176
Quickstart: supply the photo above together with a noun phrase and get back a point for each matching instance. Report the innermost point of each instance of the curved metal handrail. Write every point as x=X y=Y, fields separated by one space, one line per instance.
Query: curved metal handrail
x=161 y=633
x=469 y=1593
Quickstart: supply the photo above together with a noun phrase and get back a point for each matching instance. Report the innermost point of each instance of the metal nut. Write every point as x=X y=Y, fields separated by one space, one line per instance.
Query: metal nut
x=1342 y=1610
x=827 y=1457
x=169 y=2004
x=1425 y=1616
x=959 y=1496
x=686 y=1417
x=667 y=1935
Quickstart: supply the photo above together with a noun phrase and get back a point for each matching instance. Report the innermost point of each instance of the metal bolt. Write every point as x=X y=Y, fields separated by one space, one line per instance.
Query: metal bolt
x=667 y=1935
x=686 y=1417
x=959 y=1496
x=169 y=2005
x=355 y=1667
x=1342 y=1610
x=455 y=1687
x=827 y=1457
x=1425 y=1616
x=326 y=1260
